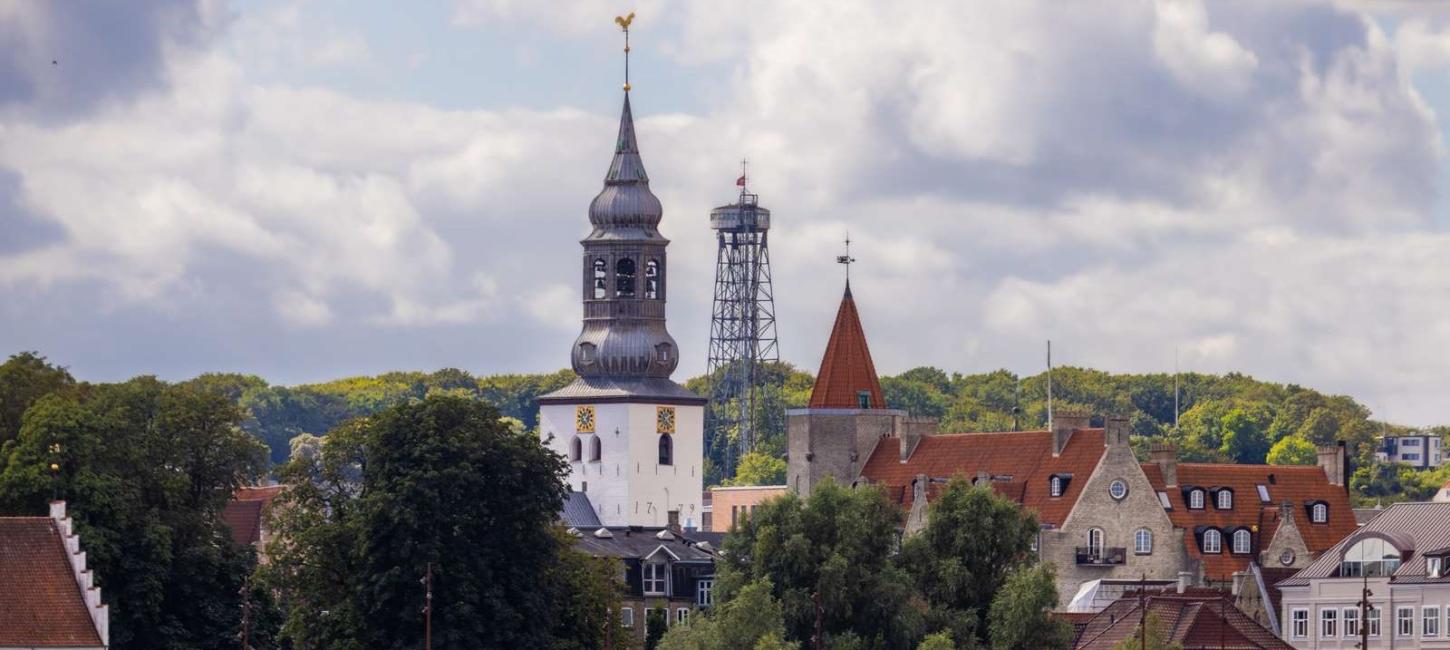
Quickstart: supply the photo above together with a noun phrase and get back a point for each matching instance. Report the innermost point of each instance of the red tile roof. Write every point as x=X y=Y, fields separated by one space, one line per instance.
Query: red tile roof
x=1192 y=620
x=1297 y=484
x=846 y=367
x=40 y=601
x=1025 y=456
x=243 y=514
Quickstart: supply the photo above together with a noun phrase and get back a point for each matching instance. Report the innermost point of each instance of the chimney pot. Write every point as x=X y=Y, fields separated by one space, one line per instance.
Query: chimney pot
x=1165 y=456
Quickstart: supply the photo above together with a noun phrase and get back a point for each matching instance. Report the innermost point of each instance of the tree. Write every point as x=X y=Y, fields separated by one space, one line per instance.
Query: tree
x=958 y=569
x=1157 y=637
x=752 y=619
x=146 y=468
x=1292 y=450
x=939 y=641
x=836 y=546
x=25 y=378
x=756 y=468
x=1021 y=612
x=442 y=481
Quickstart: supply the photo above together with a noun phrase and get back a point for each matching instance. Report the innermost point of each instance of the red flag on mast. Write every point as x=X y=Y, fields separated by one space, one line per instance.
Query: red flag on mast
x=740 y=181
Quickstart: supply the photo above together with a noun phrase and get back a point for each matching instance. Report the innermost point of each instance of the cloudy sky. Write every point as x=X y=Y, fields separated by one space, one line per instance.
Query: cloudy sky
x=306 y=190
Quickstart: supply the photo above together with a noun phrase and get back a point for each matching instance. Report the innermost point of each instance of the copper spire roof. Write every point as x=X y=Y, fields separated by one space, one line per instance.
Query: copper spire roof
x=846 y=368
x=626 y=201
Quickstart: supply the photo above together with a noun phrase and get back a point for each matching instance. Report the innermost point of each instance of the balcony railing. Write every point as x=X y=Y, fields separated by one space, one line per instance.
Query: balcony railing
x=1090 y=556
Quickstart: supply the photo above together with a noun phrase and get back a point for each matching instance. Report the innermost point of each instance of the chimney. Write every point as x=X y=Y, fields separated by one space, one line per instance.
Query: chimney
x=1115 y=431
x=1331 y=458
x=912 y=430
x=1238 y=586
x=1165 y=456
x=1063 y=424
x=1185 y=580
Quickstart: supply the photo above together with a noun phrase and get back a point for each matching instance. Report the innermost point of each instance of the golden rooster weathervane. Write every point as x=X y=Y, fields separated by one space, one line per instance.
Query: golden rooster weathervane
x=623 y=22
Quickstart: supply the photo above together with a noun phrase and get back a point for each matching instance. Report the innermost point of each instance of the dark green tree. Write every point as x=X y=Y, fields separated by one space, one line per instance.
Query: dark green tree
x=1021 y=615
x=25 y=378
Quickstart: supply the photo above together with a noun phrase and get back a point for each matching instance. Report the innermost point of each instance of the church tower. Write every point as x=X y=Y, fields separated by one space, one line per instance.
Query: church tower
x=634 y=438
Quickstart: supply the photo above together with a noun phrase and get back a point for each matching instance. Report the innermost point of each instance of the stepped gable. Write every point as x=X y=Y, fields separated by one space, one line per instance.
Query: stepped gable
x=41 y=604
x=1021 y=463
x=1297 y=484
x=846 y=367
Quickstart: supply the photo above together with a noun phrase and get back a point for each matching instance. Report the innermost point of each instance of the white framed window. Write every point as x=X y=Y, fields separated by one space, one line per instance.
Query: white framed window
x=682 y=615
x=1299 y=623
x=1243 y=541
x=1432 y=567
x=1372 y=619
x=1096 y=541
x=1212 y=541
x=1143 y=541
x=1054 y=486
x=1195 y=499
x=1351 y=622
x=1225 y=500
x=1405 y=622
x=1430 y=621
x=1328 y=623
x=1319 y=513
x=705 y=593
x=1118 y=489
x=626 y=617
x=656 y=575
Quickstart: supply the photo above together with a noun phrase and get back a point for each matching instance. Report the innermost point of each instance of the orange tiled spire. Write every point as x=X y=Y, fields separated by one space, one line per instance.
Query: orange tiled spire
x=846 y=368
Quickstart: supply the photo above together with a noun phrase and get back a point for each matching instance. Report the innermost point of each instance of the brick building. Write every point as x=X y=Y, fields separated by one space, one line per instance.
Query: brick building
x=1104 y=514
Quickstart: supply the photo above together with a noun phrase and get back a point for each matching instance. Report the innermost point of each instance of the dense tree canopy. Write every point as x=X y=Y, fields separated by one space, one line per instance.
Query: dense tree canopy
x=24 y=379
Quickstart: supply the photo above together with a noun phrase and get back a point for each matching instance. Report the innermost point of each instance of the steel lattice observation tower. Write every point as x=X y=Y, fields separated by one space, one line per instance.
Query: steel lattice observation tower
x=742 y=325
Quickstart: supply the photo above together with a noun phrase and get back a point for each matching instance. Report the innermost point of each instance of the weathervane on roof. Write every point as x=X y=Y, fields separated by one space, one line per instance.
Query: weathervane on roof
x=847 y=259
x=624 y=22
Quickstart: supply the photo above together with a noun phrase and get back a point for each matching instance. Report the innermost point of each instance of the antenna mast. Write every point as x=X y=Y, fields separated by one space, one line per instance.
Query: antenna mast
x=1049 y=384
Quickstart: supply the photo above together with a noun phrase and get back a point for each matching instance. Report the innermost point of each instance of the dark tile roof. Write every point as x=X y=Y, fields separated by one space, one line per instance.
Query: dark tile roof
x=637 y=542
x=579 y=513
x=846 y=367
x=1297 y=484
x=1422 y=526
x=605 y=389
x=243 y=514
x=40 y=601
x=1025 y=456
x=1194 y=620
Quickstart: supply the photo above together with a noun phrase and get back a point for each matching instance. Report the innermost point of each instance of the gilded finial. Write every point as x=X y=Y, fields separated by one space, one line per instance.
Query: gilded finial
x=624 y=22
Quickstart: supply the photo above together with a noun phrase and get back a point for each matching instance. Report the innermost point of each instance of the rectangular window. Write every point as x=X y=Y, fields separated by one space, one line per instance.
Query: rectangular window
x=1351 y=622
x=1432 y=567
x=1373 y=619
x=655 y=575
x=1410 y=457
x=1410 y=442
x=1430 y=622
x=1328 y=623
x=863 y=399
x=1163 y=499
x=1263 y=493
x=626 y=617
x=1299 y=623
x=734 y=515
x=649 y=619
x=682 y=615
x=1405 y=622
x=705 y=593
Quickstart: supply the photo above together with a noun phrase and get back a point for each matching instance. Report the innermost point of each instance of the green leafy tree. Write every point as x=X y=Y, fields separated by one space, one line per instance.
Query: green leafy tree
x=25 y=378
x=939 y=641
x=146 y=468
x=1021 y=616
x=759 y=469
x=1158 y=638
x=1292 y=450
x=956 y=568
x=751 y=619
x=835 y=546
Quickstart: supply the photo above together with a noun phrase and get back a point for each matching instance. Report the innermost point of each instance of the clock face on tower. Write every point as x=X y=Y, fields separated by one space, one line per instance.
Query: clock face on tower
x=584 y=419
x=665 y=419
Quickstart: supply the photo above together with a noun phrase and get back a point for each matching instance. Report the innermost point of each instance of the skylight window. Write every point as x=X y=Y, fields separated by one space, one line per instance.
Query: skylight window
x=1163 y=499
x=1263 y=493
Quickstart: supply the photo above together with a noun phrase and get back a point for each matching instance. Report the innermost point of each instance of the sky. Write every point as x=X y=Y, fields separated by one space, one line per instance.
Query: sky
x=307 y=190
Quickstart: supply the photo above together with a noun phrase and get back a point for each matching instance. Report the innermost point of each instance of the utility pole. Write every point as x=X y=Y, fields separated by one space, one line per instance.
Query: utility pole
x=246 y=593
x=818 y=641
x=1143 y=611
x=1365 y=593
x=428 y=608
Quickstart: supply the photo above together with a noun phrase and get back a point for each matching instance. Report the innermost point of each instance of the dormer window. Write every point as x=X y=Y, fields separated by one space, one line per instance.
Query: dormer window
x=1243 y=542
x=1432 y=567
x=1212 y=541
x=1224 y=500
x=863 y=399
x=1195 y=499
x=656 y=578
x=1054 y=486
x=1370 y=556
x=1319 y=513
x=652 y=280
x=624 y=277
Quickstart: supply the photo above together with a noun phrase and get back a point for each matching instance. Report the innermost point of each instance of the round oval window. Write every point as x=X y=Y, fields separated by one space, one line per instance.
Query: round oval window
x=1287 y=557
x=1118 y=489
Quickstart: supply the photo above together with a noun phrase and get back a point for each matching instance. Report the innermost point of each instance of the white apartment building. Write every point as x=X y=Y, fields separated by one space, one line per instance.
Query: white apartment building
x=1420 y=450
x=1402 y=557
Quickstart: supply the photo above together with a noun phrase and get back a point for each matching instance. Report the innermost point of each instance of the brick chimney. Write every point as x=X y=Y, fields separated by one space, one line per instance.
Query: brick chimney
x=911 y=431
x=1116 y=432
x=1332 y=459
x=1165 y=456
x=1063 y=424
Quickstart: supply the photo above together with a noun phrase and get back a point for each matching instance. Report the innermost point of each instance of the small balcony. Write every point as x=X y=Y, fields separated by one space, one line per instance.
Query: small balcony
x=1089 y=556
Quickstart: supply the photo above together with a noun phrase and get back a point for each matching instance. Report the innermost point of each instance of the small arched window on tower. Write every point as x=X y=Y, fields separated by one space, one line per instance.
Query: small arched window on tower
x=667 y=449
x=601 y=268
x=624 y=277
x=652 y=280
x=576 y=449
x=594 y=449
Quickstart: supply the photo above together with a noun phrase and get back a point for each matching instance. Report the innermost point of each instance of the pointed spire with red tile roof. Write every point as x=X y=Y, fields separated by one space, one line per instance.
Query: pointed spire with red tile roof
x=846 y=369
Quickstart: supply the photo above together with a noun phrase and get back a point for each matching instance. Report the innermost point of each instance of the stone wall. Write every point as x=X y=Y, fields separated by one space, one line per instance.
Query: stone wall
x=834 y=443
